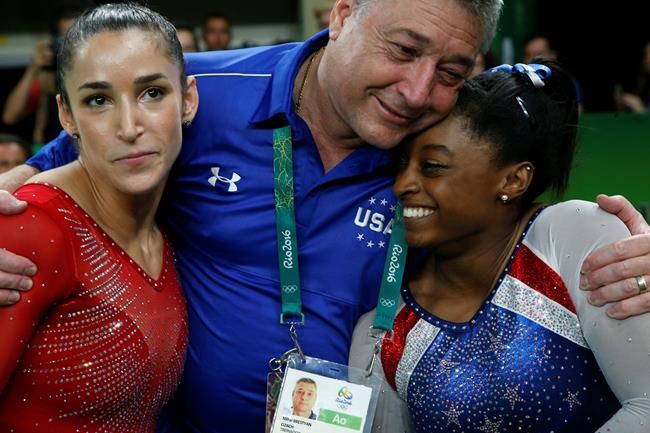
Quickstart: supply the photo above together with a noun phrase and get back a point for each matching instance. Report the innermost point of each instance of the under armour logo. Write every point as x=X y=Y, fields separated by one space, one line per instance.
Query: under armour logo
x=232 y=187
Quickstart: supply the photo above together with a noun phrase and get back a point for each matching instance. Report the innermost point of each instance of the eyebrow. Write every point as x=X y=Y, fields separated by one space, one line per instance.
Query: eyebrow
x=106 y=85
x=422 y=39
x=438 y=147
x=462 y=60
x=414 y=35
x=95 y=85
x=148 y=78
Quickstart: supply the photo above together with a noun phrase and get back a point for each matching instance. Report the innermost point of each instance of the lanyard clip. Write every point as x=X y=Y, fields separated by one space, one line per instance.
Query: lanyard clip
x=373 y=358
x=292 y=319
x=277 y=364
x=293 y=333
x=379 y=335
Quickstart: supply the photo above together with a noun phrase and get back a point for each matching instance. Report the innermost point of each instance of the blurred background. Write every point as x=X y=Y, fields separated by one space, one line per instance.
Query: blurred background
x=602 y=44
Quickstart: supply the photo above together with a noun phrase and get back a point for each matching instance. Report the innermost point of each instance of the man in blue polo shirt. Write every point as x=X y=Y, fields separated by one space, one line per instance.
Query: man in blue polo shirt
x=381 y=72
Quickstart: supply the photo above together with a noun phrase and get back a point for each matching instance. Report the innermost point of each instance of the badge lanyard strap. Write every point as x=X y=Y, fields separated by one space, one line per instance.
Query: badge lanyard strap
x=391 y=283
x=286 y=228
x=288 y=247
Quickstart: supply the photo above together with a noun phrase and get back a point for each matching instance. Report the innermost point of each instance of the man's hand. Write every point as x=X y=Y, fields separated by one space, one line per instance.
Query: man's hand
x=14 y=270
x=10 y=181
x=611 y=271
x=43 y=55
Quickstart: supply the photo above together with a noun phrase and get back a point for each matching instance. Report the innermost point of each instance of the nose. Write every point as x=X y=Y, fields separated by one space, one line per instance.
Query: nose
x=418 y=84
x=129 y=126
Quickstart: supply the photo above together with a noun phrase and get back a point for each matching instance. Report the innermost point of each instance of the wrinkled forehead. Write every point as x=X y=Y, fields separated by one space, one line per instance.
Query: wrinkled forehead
x=460 y=15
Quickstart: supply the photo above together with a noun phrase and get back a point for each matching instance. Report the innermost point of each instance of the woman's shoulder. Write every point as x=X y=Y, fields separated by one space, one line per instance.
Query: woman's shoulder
x=39 y=232
x=578 y=214
x=43 y=196
x=49 y=213
x=573 y=229
x=571 y=207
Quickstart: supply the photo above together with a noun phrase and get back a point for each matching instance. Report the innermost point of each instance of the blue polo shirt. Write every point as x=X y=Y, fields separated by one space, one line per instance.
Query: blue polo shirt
x=219 y=212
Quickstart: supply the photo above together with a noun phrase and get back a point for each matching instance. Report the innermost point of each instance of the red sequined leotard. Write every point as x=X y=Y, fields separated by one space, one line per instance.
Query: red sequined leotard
x=97 y=345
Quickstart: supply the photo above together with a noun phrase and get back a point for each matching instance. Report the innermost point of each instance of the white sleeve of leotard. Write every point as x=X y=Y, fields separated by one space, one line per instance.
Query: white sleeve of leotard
x=566 y=233
x=391 y=415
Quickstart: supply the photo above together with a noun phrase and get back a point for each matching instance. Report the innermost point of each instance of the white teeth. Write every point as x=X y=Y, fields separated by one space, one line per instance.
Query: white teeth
x=417 y=212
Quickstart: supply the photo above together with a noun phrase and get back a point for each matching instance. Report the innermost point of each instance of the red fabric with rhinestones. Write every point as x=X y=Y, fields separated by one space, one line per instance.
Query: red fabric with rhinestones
x=391 y=351
x=97 y=345
x=532 y=271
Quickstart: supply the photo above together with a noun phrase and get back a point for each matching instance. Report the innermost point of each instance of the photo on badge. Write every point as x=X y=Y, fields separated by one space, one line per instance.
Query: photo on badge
x=311 y=402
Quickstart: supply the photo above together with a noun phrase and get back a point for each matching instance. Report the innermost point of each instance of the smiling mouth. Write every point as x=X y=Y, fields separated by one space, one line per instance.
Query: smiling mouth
x=417 y=212
x=396 y=116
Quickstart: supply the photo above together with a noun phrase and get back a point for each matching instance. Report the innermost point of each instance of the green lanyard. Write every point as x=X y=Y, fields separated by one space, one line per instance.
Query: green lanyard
x=391 y=281
x=286 y=228
x=288 y=244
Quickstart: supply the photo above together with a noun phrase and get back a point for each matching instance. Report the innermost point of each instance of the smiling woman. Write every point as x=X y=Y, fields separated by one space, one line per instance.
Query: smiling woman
x=493 y=333
x=101 y=340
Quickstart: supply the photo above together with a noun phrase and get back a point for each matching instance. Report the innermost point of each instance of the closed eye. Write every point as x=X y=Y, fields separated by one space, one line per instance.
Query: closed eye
x=404 y=52
x=433 y=168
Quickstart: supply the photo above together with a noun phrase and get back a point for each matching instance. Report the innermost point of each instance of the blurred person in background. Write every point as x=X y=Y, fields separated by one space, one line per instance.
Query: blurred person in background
x=637 y=98
x=216 y=32
x=13 y=151
x=322 y=15
x=34 y=95
x=540 y=46
x=483 y=61
x=187 y=37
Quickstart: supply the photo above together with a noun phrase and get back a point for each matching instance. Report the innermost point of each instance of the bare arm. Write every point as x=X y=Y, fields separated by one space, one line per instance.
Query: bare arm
x=631 y=102
x=610 y=271
x=11 y=180
x=17 y=102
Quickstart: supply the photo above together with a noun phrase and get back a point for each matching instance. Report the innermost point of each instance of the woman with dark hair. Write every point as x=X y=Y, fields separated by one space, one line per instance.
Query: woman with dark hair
x=493 y=333
x=100 y=347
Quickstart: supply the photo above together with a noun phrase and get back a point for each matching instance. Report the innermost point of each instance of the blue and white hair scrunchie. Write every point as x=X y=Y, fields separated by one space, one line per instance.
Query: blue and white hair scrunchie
x=535 y=72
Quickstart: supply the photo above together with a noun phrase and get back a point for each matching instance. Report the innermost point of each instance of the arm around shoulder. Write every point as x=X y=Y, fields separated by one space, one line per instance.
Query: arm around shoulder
x=611 y=272
x=14 y=178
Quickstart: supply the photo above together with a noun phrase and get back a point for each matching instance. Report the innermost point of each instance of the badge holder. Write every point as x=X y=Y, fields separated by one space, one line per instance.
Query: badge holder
x=277 y=366
x=320 y=396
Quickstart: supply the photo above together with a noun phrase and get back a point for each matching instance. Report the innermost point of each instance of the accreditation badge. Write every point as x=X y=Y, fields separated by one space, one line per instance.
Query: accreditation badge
x=324 y=397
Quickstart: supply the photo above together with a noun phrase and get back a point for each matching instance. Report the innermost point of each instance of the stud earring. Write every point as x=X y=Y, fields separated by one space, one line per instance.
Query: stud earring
x=76 y=136
x=187 y=123
x=504 y=198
